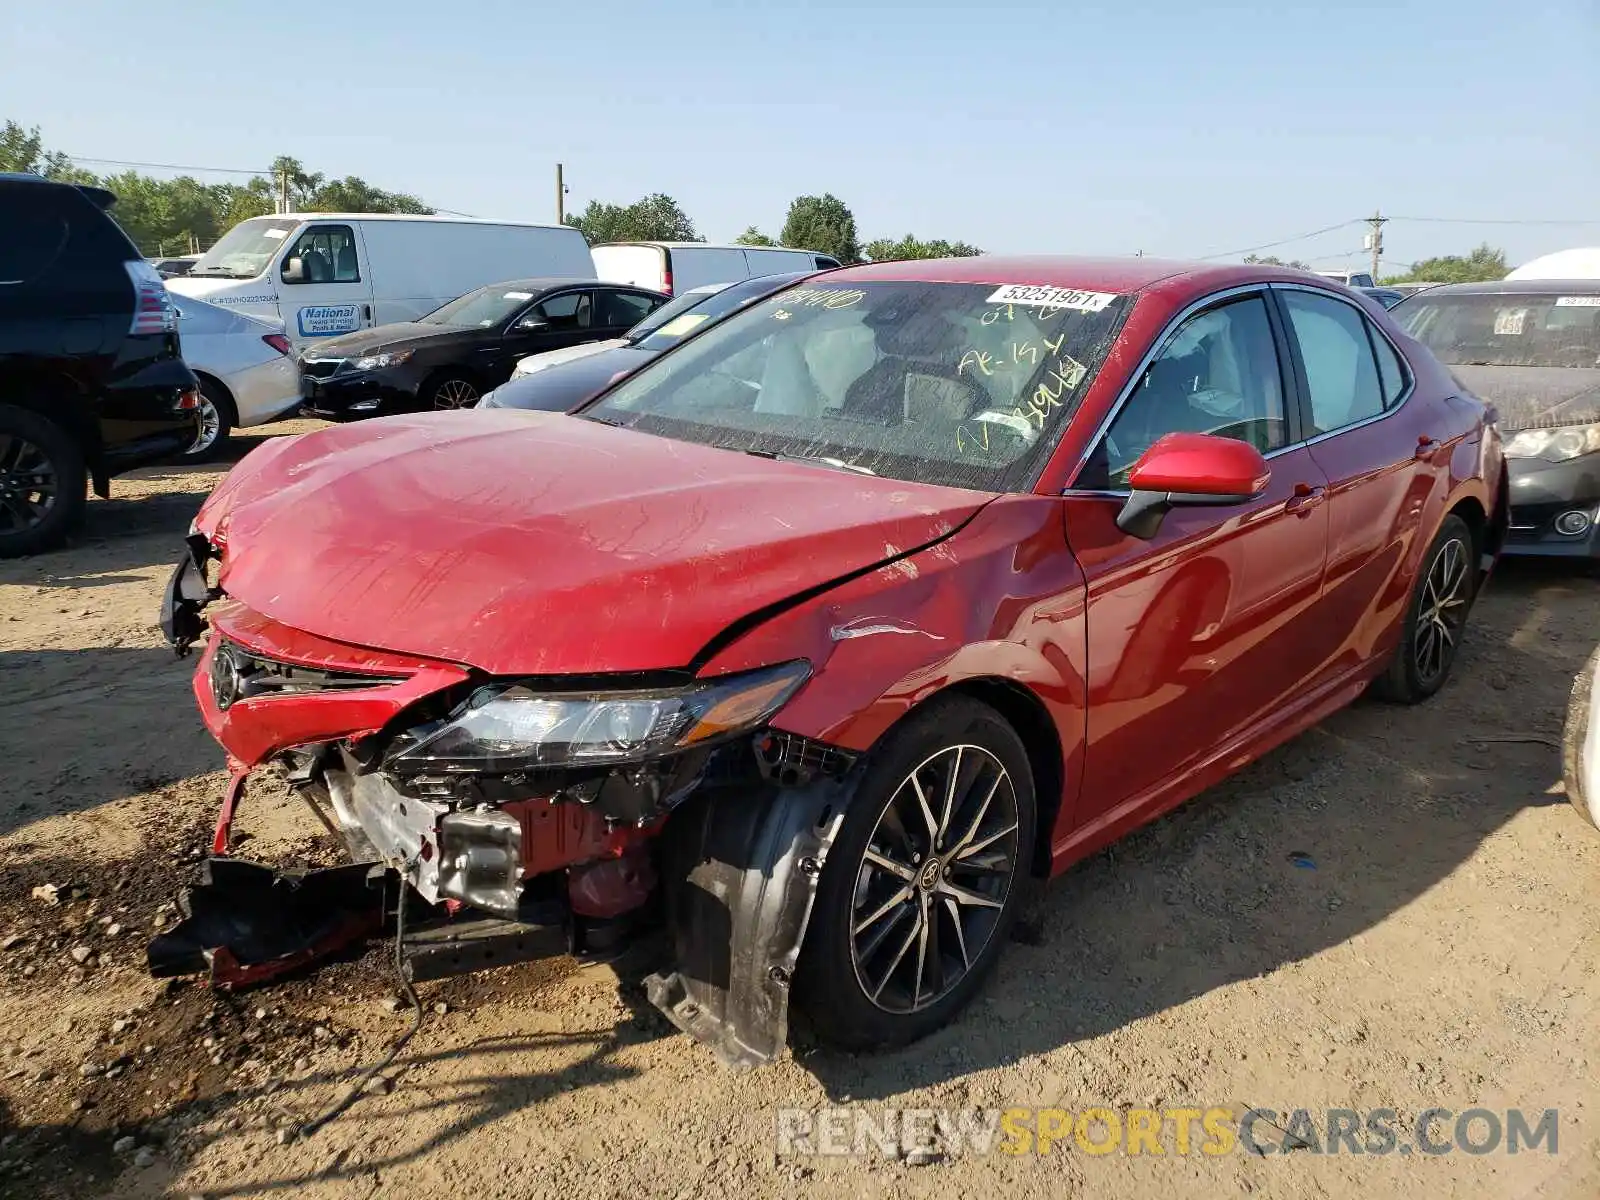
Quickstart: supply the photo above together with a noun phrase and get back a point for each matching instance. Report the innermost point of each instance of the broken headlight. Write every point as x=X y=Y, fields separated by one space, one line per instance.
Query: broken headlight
x=511 y=727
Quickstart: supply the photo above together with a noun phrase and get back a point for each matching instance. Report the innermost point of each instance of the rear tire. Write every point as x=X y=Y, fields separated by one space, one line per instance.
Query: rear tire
x=43 y=483
x=216 y=419
x=938 y=885
x=1436 y=618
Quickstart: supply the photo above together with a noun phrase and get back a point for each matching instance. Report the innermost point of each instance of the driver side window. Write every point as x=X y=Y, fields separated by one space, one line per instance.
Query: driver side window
x=1217 y=374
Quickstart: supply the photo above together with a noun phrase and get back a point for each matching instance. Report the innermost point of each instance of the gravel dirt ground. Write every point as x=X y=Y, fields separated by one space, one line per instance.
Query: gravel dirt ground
x=1397 y=910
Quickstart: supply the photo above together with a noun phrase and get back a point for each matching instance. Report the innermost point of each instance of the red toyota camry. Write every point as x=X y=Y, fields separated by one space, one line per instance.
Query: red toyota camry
x=813 y=639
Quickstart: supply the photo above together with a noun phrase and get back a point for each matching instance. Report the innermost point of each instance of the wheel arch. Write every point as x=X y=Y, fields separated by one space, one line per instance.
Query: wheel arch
x=1021 y=708
x=225 y=393
x=59 y=400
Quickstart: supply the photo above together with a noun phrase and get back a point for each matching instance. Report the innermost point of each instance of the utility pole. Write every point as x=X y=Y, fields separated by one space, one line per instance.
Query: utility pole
x=1374 y=240
x=283 y=190
x=561 y=197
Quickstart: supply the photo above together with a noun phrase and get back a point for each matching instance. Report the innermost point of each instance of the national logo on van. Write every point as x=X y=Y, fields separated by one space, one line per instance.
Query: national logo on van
x=325 y=320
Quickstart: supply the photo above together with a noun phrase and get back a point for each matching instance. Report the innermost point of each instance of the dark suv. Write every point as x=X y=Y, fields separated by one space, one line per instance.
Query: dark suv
x=91 y=380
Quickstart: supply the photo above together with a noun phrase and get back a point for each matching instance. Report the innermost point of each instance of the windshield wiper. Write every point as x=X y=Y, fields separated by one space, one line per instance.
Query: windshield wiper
x=219 y=273
x=820 y=460
x=599 y=420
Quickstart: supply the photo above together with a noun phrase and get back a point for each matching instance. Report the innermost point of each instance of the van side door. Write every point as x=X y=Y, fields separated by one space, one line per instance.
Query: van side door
x=324 y=282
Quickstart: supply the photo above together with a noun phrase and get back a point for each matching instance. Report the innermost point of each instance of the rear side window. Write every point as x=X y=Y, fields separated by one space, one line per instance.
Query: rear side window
x=1391 y=373
x=571 y=310
x=824 y=263
x=327 y=254
x=1341 y=371
x=625 y=309
x=33 y=232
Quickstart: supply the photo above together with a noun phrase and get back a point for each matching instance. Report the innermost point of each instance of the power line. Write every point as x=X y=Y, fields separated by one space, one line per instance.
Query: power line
x=1281 y=242
x=117 y=162
x=1494 y=221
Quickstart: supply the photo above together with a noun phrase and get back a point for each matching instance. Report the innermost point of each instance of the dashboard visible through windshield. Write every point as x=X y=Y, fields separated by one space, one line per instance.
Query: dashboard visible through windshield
x=966 y=385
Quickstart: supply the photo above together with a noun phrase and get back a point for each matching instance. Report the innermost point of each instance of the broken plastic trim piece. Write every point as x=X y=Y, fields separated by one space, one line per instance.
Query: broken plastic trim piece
x=247 y=924
x=187 y=592
x=740 y=902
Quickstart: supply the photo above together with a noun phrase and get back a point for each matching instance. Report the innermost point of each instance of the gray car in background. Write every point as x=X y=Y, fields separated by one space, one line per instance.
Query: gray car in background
x=564 y=385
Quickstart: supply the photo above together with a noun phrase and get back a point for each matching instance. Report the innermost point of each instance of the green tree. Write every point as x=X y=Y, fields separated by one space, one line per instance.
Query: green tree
x=912 y=247
x=171 y=216
x=1481 y=264
x=656 y=218
x=754 y=237
x=822 y=224
x=1272 y=260
x=351 y=194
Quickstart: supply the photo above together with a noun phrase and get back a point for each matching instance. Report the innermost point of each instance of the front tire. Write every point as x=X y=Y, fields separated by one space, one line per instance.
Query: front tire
x=42 y=483
x=450 y=392
x=923 y=881
x=1435 y=619
x=1573 y=736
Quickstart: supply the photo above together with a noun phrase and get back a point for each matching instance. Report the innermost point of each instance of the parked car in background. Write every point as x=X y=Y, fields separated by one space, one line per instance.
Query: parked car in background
x=1352 y=279
x=169 y=268
x=91 y=380
x=559 y=386
x=244 y=365
x=453 y=355
x=326 y=274
x=1580 y=743
x=1002 y=559
x=1582 y=262
x=1409 y=289
x=1532 y=349
x=1388 y=297
x=677 y=267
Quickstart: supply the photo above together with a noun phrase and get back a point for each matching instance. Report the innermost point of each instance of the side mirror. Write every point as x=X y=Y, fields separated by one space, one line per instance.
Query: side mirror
x=532 y=324
x=294 y=270
x=1190 y=469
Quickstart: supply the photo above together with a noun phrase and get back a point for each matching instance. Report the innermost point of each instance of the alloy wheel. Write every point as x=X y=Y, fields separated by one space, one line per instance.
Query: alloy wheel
x=210 y=425
x=933 y=880
x=28 y=484
x=1442 y=611
x=454 y=393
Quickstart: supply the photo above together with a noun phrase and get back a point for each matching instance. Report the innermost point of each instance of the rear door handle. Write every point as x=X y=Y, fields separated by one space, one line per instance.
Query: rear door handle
x=1426 y=446
x=1305 y=498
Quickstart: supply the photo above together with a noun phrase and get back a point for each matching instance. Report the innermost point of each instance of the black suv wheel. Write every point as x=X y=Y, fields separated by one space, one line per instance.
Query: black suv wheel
x=42 y=482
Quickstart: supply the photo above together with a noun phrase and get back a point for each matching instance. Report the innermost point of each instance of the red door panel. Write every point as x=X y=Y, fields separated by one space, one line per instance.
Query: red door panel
x=1192 y=635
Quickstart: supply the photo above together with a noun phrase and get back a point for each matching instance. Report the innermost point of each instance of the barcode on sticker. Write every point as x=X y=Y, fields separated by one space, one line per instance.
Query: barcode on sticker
x=1052 y=297
x=1578 y=302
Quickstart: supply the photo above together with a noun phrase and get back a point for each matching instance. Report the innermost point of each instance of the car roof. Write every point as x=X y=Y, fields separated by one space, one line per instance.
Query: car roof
x=434 y=218
x=549 y=283
x=712 y=246
x=1517 y=287
x=1085 y=273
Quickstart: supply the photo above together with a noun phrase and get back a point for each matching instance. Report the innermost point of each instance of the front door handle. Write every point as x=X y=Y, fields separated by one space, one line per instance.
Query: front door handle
x=1305 y=499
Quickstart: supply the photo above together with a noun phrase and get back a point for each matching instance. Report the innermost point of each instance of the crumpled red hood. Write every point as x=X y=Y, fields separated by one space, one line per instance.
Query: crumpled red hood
x=536 y=543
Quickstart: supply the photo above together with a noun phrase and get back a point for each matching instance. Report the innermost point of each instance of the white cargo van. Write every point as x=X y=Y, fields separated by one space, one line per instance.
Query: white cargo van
x=323 y=274
x=678 y=267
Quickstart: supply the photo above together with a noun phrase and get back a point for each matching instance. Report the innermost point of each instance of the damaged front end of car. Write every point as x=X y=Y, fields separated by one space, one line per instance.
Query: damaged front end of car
x=524 y=817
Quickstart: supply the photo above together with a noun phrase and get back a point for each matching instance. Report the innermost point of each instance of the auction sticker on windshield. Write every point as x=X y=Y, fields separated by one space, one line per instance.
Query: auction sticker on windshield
x=1578 y=302
x=325 y=320
x=1052 y=297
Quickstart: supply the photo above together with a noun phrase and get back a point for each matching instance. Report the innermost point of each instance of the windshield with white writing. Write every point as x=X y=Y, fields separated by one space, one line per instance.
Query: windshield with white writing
x=967 y=385
x=1549 y=329
x=246 y=249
